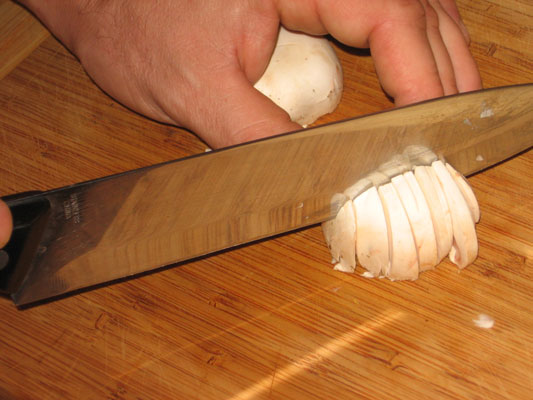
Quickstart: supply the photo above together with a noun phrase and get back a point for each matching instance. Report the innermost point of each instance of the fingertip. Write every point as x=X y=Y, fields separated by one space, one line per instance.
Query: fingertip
x=469 y=77
x=471 y=84
x=6 y=224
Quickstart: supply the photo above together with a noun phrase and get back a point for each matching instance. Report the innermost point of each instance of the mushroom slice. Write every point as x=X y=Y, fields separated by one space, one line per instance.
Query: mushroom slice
x=402 y=249
x=417 y=210
x=371 y=234
x=340 y=237
x=465 y=247
x=438 y=208
x=466 y=191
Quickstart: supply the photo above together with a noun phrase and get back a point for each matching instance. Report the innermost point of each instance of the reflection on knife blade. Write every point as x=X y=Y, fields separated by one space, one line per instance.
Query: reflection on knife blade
x=119 y=226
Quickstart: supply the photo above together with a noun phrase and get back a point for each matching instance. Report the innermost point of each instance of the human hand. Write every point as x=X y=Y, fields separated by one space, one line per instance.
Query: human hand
x=419 y=47
x=6 y=224
x=193 y=64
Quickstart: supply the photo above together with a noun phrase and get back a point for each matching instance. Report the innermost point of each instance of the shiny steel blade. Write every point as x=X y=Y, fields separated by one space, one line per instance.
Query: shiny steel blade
x=126 y=224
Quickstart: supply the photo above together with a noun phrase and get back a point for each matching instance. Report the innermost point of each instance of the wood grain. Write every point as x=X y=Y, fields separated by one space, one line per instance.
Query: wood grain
x=20 y=34
x=270 y=320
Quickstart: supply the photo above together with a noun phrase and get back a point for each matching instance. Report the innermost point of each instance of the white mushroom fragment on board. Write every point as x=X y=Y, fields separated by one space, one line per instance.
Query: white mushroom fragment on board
x=407 y=222
x=304 y=77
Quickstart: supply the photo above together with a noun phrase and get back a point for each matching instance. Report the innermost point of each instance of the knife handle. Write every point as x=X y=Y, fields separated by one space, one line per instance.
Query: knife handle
x=30 y=210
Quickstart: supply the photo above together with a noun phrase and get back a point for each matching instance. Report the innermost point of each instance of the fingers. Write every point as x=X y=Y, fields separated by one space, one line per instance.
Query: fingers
x=231 y=111
x=464 y=67
x=450 y=8
x=455 y=67
x=439 y=50
x=6 y=224
x=395 y=32
x=405 y=60
x=419 y=47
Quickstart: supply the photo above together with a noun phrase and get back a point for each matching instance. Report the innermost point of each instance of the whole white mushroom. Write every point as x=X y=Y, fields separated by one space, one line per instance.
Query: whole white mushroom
x=304 y=77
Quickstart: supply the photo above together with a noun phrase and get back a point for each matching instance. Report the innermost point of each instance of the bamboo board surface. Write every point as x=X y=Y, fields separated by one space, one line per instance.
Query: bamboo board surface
x=20 y=34
x=269 y=320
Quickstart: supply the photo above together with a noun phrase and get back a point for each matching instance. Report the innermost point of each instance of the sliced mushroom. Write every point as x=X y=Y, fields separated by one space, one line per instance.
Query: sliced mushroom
x=371 y=234
x=465 y=246
x=340 y=236
x=467 y=192
x=402 y=249
x=404 y=219
x=417 y=210
x=438 y=208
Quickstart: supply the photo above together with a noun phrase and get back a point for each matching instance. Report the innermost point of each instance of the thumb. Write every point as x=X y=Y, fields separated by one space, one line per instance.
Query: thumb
x=233 y=112
x=6 y=224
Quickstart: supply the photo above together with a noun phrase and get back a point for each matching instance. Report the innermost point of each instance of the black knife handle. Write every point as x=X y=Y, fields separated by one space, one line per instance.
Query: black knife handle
x=30 y=210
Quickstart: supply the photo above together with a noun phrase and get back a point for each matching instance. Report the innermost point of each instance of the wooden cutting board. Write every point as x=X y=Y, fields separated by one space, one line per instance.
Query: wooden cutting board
x=269 y=320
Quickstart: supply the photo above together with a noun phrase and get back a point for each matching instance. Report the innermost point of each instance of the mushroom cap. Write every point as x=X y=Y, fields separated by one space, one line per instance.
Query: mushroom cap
x=465 y=246
x=371 y=234
x=304 y=77
x=402 y=248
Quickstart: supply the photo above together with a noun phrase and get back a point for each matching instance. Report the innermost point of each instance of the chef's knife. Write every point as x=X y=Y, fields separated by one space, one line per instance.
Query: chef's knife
x=102 y=230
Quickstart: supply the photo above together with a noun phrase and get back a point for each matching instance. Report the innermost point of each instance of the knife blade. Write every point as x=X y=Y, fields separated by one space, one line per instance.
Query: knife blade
x=98 y=231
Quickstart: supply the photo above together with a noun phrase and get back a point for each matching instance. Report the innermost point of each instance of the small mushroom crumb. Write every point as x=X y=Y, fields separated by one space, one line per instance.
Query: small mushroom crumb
x=468 y=122
x=486 y=113
x=484 y=321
